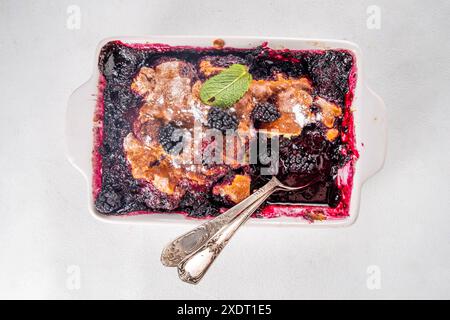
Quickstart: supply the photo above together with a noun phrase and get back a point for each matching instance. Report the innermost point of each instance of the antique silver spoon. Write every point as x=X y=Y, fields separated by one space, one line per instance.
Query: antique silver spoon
x=180 y=248
x=196 y=250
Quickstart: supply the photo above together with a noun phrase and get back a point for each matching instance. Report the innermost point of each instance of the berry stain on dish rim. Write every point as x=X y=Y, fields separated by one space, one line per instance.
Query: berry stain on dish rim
x=119 y=109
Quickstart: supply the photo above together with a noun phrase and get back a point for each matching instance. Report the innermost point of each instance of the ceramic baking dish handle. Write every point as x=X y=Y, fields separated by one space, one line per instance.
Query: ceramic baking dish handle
x=79 y=119
x=374 y=134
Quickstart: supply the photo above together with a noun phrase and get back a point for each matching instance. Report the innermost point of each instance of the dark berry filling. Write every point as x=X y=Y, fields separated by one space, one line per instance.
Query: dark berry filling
x=329 y=72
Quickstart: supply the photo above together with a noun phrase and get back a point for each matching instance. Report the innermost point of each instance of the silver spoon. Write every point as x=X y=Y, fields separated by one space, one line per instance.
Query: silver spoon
x=204 y=251
x=180 y=248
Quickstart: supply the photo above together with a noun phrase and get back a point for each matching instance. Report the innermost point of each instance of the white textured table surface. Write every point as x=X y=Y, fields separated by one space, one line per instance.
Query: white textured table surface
x=47 y=236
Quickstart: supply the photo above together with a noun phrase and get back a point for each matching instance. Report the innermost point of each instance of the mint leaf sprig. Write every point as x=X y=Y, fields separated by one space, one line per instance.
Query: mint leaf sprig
x=227 y=87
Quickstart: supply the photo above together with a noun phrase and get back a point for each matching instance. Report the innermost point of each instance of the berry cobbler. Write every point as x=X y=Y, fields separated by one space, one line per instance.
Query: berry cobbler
x=194 y=130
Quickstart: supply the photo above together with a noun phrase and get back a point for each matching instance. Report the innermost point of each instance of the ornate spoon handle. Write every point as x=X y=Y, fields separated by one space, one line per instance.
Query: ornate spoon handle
x=194 y=267
x=176 y=251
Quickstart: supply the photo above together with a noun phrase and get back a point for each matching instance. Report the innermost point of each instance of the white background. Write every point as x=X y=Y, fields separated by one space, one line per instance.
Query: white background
x=404 y=220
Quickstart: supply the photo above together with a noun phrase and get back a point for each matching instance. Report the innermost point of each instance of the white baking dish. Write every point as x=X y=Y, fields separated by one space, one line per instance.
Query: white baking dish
x=369 y=120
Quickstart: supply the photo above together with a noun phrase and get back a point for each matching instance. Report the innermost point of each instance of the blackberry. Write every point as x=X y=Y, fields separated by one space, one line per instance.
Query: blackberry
x=171 y=138
x=302 y=163
x=108 y=201
x=334 y=196
x=265 y=112
x=221 y=119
